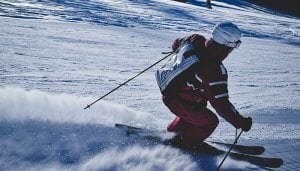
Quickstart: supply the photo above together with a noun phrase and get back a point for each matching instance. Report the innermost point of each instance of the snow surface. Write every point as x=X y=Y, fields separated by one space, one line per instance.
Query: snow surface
x=58 y=56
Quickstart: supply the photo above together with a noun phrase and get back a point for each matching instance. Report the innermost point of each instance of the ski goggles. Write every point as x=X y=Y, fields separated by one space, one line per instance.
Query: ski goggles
x=233 y=44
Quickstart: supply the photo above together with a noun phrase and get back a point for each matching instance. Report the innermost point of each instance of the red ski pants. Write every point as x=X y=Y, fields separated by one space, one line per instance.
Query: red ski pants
x=193 y=124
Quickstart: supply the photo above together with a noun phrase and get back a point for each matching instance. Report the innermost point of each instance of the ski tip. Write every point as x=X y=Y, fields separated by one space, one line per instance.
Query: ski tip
x=118 y=125
x=277 y=162
x=274 y=162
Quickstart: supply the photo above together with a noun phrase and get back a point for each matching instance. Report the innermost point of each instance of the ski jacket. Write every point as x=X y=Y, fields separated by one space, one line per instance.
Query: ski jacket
x=203 y=80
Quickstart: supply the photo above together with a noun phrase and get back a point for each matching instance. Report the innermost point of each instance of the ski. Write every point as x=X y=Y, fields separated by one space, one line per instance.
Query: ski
x=260 y=161
x=253 y=150
x=257 y=160
x=204 y=148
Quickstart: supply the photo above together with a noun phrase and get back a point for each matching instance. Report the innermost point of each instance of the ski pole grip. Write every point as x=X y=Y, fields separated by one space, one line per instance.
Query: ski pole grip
x=166 y=52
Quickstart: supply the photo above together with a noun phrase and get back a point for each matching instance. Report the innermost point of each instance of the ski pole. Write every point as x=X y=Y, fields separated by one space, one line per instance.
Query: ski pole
x=229 y=150
x=89 y=105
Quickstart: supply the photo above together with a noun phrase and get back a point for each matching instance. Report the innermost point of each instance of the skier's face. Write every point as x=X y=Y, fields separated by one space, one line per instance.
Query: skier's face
x=218 y=50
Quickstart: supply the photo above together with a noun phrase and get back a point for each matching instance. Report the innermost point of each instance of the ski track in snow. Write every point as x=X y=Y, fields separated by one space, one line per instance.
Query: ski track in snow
x=58 y=56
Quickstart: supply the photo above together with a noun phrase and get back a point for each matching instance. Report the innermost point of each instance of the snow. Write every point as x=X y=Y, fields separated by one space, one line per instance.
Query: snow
x=58 y=56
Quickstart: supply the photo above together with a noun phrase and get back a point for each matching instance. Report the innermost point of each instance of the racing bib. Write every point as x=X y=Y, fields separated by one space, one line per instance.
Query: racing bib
x=178 y=63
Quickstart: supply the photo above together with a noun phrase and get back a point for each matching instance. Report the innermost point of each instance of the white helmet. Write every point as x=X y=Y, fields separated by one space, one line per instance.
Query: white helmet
x=228 y=34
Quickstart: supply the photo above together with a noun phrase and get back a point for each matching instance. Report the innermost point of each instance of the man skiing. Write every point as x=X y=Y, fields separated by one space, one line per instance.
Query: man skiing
x=194 y=76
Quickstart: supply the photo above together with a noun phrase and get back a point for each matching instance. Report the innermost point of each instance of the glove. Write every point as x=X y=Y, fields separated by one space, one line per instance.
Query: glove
x=176 y=44
x=246 y=124
x=198 y=42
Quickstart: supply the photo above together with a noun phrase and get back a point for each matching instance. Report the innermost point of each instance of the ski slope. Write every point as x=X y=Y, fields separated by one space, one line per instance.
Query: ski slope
x=58 y=56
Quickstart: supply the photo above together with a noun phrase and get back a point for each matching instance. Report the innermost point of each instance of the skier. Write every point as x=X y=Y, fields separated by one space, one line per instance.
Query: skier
x=208 y=4
x=195 y=75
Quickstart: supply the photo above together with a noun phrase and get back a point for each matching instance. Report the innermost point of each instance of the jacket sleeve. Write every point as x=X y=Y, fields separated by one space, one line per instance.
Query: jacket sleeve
x=217 y=94
x=225 y=109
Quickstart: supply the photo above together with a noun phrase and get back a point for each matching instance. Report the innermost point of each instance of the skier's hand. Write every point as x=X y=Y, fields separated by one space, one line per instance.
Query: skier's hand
x=198 y=42
x=176 y=44
x=246 y=124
